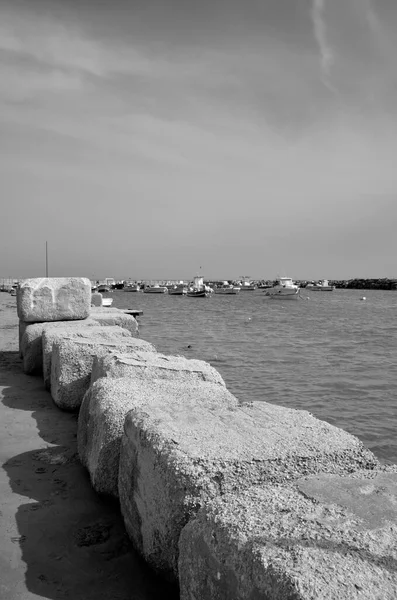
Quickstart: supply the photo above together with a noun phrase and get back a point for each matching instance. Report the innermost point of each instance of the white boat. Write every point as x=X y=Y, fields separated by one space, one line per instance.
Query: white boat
x=285 y=289
x=321 y=286
x=227 y=289
x=155 y=289
x=246 y=285
x=107 y=302
x=199 y=289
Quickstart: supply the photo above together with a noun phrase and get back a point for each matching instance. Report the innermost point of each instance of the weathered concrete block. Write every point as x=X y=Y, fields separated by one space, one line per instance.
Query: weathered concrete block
x=31 y=346
x=96 y=299
x=54 y=299
x=144 y=365
x=90 y=330
x=115 y=316
x=71 y=365
x=172 y=461
x=327 y=538
x=105 y=405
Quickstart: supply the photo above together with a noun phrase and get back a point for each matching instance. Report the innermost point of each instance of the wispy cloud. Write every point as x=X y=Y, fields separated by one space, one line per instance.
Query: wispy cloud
x=320 y=33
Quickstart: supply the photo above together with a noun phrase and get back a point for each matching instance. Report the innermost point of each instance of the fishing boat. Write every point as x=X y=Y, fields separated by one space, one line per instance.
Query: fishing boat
x=227 y=289
x=246 y=285
x=131 y=287
x=321 y=286
x=198 y=289
x=155 y=289
x=284 y=289
x=178 y=289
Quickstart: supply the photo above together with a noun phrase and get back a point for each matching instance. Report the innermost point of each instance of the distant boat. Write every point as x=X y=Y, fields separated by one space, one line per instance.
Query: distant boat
x=106 y=302
x=198 y=289
x=246 y=285
x=155 y=289
x=130 y=287
x=177 y=290
x=227 y=289
x=284 y=289
x=13 y=292
x=321 y=286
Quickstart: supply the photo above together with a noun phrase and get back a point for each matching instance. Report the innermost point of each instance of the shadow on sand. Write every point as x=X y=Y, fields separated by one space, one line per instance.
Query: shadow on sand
x=72 y=541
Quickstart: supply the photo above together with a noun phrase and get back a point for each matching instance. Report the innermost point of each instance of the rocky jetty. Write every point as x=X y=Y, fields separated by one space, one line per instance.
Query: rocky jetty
x=233 y=500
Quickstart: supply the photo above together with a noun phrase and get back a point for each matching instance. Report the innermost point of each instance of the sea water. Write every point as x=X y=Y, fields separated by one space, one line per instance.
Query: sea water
x=331 y=353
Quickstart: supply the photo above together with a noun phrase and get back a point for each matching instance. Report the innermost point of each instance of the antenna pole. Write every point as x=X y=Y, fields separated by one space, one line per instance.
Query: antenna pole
x=46 y=259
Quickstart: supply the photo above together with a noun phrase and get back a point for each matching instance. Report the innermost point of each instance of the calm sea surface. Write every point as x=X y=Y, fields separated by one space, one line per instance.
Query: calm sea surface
x=333 y=354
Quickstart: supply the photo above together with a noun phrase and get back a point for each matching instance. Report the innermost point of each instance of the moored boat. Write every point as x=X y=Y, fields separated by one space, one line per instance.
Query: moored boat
x=321 y=286
x=177 y=290
x=246 y=285
x=285 y=289
x=131 y=287
x=227 y=289
x=155 y=289
x=198 y=289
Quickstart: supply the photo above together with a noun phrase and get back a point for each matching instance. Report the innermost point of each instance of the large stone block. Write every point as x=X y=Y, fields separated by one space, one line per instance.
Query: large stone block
x=54 y=299
x=326 y=538
x=71 y=365
x=89 y=330
x=104 y=318
x=115 y=316
x=105 y=405
x=31 y=345
x=146 y=365
x=172 y=461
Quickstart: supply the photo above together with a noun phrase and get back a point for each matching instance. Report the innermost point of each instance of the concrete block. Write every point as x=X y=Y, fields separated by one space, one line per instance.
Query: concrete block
x=96 y=299
x=114 y=316
x=105 y=405
x=326 y=538
x=71 y=365
x=31 y=346
x=146 y=365
x=54 y=299
x=89 y=330
x=172 y=461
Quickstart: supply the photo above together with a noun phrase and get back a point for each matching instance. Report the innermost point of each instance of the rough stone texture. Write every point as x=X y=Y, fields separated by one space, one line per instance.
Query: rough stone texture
x=96 y=299
x=103 y=317
x=144 y=365
x=115 y=316
x=31 y=346
x=71 y=365
x=106 y=403
x=54 y=299
x=328 y=538
x=54 y=332
x=172 y=461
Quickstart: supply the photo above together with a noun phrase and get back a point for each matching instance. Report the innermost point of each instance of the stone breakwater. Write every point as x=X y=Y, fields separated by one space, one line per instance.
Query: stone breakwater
x=233 y=500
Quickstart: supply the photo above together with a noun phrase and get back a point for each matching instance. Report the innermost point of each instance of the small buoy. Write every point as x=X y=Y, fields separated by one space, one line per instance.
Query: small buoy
x=189 y=346
x=363 y=298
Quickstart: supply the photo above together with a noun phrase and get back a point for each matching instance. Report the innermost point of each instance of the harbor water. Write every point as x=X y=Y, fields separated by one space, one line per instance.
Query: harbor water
x=331 y=353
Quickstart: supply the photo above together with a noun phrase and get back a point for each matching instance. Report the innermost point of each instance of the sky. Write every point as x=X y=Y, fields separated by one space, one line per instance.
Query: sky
x=153 y=139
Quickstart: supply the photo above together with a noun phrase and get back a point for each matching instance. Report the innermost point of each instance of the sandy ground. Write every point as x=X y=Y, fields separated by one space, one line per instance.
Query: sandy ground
x=58 y=538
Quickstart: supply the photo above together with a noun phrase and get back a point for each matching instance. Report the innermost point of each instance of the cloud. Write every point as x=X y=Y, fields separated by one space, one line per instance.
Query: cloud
x=320 y=33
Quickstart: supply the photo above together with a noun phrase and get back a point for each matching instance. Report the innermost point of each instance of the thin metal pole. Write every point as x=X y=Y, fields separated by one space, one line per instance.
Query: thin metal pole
x=46 y=259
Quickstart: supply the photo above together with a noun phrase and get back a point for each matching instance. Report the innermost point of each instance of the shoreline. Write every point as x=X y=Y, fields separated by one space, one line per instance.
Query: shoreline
x=60 y=539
